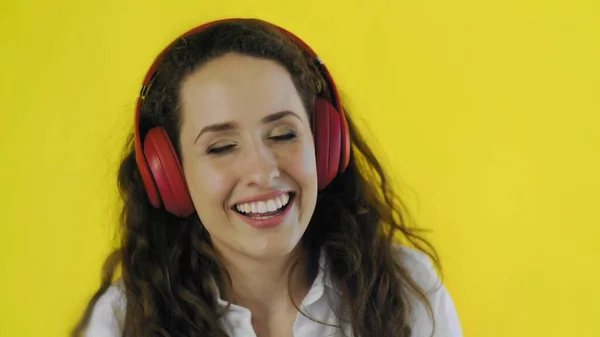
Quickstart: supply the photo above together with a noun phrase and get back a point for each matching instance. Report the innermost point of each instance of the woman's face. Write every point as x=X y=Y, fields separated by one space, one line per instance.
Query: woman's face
x=248 y=155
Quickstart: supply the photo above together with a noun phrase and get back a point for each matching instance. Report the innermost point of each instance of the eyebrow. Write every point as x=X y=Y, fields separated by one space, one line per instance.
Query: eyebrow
x=232 y=126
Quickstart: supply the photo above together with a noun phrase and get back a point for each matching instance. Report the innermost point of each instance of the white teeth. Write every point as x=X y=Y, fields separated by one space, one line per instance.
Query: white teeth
x=285 y=199
x=265 y=206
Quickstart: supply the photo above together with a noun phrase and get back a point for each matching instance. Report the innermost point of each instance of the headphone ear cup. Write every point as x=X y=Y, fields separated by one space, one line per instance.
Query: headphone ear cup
x=328 y=140
x=345 y=146
x=147 y=178
x=168 y=175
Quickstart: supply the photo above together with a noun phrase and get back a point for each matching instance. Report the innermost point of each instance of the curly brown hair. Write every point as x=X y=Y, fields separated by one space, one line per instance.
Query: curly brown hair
x=168 y=262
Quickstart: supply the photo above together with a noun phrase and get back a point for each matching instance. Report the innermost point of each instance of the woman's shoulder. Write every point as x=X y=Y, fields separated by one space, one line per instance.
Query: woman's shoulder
x=423 y=273
x=418 y=265
x=108 y=313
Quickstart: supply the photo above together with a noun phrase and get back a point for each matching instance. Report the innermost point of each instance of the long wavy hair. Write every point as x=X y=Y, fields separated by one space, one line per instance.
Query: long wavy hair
x=167 y=263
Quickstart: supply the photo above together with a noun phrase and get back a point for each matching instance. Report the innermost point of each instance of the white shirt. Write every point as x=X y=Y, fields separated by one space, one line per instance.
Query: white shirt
x=109 y=312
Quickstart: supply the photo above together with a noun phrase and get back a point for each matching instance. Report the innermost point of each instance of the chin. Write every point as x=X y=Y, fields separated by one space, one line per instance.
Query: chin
x=276 y=243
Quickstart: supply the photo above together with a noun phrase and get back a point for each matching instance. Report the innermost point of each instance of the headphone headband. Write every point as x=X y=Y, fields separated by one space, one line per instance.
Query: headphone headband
x=153 y=68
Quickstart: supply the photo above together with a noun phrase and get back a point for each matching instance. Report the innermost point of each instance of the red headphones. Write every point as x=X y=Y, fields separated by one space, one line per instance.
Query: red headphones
x=159 y=163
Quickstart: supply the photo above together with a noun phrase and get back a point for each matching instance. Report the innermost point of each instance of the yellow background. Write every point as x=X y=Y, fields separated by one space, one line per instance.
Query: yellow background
x=487 y=111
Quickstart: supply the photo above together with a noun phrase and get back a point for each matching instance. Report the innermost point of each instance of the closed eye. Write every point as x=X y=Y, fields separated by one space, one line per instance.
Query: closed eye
x=287 y=136
x=220 y=149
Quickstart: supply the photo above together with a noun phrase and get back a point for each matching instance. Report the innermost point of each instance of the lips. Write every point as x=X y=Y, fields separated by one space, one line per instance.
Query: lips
x=265 y=212
x=264 y=207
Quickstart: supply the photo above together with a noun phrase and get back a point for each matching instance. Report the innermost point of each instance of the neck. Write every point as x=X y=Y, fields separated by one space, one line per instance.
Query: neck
x=265 y=286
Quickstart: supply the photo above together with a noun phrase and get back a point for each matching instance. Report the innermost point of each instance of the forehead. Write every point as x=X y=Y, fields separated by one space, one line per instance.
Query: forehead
x=237 y=86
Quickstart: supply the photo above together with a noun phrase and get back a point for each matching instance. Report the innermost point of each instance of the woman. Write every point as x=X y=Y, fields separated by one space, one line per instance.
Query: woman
x=253 y=207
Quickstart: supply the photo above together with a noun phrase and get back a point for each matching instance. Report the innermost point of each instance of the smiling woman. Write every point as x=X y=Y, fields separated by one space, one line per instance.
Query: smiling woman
x=254 y=208
x=262 y=148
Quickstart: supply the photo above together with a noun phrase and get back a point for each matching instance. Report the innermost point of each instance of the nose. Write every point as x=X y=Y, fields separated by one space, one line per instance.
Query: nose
x=260 y=168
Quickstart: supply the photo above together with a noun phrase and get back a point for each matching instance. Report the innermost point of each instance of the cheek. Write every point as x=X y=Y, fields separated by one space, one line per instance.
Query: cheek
x=209 y=186
x=300 y=162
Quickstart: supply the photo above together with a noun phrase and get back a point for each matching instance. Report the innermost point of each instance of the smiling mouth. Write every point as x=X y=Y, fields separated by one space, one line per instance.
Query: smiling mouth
x=265 y=209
